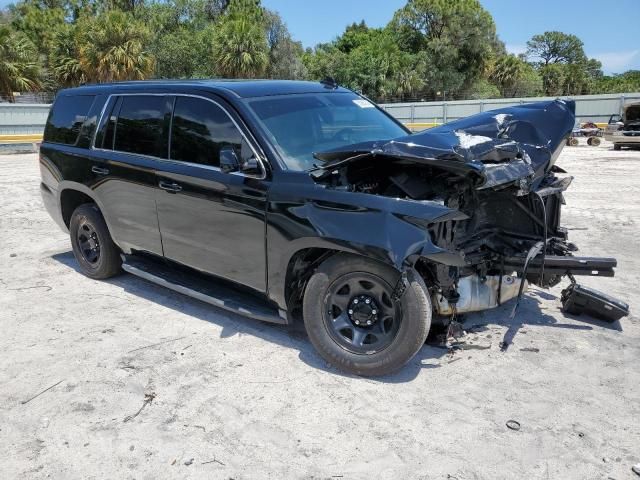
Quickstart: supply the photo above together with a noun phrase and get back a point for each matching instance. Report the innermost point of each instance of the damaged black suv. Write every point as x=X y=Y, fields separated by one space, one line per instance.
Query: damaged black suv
x=288 y=200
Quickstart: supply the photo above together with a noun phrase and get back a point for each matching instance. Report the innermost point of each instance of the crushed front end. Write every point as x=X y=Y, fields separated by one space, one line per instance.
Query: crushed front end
x=496 y=171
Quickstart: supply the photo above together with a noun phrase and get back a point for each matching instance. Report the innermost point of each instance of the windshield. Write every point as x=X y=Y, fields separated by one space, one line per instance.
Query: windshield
x=301 y=125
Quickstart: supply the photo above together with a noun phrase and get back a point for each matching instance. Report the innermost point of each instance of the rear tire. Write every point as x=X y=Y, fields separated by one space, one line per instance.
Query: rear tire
x=93 y=247
x=345 y=290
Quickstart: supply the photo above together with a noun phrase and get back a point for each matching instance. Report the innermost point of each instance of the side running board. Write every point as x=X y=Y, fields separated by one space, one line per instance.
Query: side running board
x=202 y=287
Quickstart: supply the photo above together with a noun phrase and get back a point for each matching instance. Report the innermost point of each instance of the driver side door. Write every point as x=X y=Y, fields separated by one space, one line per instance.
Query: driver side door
x=212 y=220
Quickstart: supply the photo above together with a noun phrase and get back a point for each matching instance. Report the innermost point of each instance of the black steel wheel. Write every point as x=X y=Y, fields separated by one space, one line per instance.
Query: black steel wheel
x=360 y=314
x=355 y=323
x=88 y=242
x=97 y=255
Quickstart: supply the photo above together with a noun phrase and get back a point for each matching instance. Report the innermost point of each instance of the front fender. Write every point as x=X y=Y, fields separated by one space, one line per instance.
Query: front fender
x=392 y=231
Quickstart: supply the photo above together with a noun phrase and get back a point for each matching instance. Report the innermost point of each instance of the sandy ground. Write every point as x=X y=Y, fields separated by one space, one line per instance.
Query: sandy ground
x=235 y=398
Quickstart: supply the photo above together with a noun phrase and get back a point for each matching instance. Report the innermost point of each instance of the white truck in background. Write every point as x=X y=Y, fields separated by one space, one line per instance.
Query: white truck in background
x=624 y=130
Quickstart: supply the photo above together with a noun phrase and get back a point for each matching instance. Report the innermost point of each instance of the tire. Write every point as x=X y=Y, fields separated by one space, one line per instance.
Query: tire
x=93 y=247
x=385 y=352
x=617 y=146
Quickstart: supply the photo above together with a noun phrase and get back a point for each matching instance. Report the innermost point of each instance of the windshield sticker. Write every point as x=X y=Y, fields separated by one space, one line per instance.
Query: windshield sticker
x=362 y=103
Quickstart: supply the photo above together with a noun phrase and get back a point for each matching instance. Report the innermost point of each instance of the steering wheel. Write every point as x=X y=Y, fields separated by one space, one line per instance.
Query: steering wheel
x=344 y=134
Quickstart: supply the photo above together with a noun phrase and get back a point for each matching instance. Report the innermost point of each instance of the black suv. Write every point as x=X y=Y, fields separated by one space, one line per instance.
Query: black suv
x=283 y=200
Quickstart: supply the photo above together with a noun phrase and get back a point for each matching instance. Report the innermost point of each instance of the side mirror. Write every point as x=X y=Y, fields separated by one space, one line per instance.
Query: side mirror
x=228 y=160
x=251 y=166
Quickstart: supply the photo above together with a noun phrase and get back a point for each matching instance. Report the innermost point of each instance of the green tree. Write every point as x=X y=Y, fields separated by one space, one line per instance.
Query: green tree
x=553 y=77
x=354 y=36
x=514 y=77
x=180 y=54
x=65 y=57
x=19 y=68
x=325 y=60
x=113 y=46
x=368 y=60
x=182 y=36
x=408 y=76
x=625 y=82
x=215 y=8
x=481 y=89
x=563 y=64
x=556 y=47
x=285 y=54
x=240 y=47
x=454 y=39
x=38 y=22
x=577 y=80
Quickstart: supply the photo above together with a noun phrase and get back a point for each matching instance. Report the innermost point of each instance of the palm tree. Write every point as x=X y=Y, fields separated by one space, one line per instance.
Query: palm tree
x=408 y=81
x=64 y=58
x=240 y=48
x=506 y=72
x=19 y=67
x=113 y=48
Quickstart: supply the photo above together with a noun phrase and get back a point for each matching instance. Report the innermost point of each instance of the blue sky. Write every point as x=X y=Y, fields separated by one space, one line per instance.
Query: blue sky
x=609 y=29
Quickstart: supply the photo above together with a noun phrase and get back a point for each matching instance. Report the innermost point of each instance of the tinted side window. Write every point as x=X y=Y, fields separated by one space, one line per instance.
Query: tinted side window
x=199 y=129
x=107 y=126
x=66 y=118
x=139 y=125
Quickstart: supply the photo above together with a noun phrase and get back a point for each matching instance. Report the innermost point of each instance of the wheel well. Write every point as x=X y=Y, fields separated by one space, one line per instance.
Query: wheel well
x=70 y=200
x=300 y=268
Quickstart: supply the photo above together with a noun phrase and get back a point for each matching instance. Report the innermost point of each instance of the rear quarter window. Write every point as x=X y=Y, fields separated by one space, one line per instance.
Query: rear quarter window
x=66 y=119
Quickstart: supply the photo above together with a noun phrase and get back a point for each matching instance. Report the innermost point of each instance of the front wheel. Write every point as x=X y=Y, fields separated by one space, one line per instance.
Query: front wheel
x=355 y=323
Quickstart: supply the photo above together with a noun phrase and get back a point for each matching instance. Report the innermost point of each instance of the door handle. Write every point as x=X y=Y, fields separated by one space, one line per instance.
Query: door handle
x=169 y=186
x=100 y=170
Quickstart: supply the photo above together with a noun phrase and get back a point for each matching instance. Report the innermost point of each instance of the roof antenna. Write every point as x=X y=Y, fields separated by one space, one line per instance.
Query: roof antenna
x=329 y=82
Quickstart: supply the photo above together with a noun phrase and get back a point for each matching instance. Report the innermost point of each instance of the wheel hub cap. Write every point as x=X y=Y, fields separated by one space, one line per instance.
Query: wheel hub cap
x=363 y=310
x=88 y=242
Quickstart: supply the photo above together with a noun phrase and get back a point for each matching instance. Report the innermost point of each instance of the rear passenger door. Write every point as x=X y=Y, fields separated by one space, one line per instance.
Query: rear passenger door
x=210 y=220
x=130 y=144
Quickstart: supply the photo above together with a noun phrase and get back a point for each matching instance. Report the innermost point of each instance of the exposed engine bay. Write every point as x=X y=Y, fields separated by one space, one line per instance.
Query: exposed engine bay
x=497 y=171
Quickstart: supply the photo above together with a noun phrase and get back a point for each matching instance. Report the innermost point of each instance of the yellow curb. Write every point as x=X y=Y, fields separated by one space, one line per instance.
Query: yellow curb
x=20 y=138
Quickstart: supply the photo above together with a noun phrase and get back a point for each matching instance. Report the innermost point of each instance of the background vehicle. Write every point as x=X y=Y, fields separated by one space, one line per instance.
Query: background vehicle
x=624 y=130
x=298 y=200
x=587 y=129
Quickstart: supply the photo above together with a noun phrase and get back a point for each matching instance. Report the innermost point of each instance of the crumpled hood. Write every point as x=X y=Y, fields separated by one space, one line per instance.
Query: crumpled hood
x=494 y=147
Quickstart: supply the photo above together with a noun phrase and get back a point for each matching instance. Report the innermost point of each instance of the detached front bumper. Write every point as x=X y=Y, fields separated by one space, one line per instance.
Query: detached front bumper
x=557 y=265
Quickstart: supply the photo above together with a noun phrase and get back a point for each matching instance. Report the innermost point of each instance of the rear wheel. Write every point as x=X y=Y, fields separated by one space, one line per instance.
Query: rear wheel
x=97 y=255
x=355 y=323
